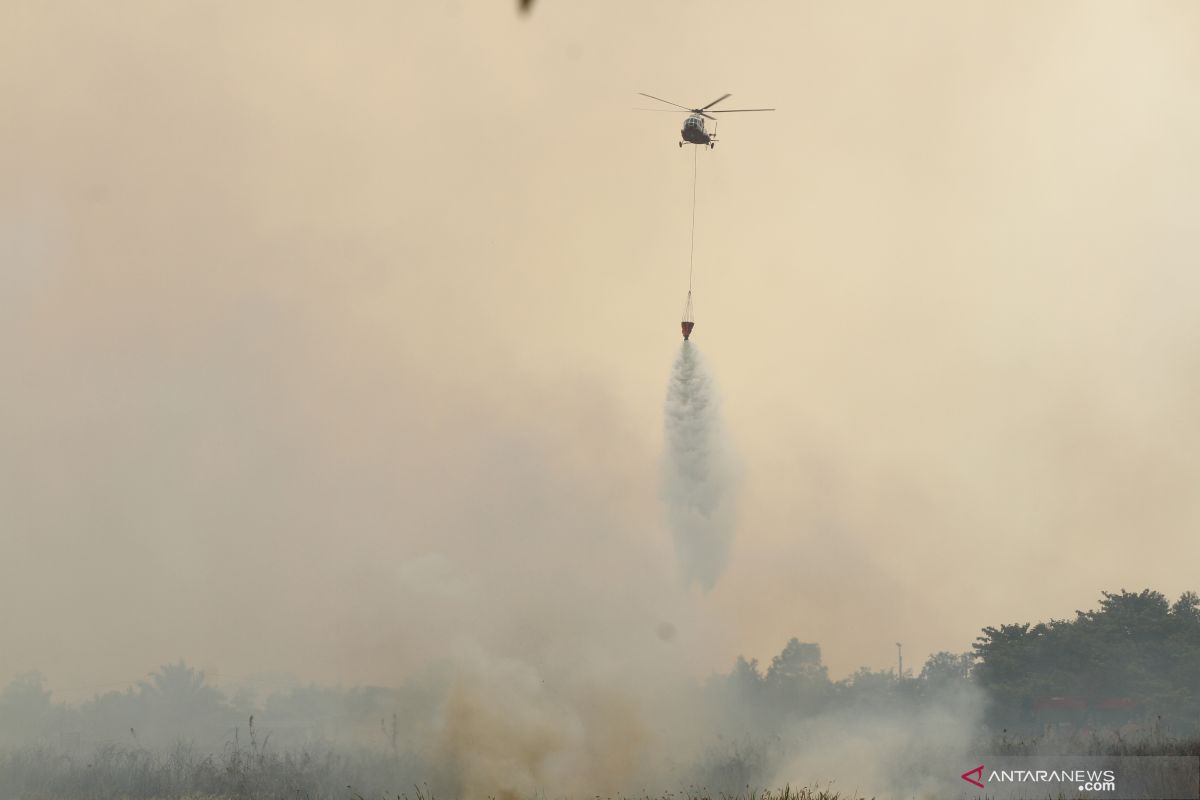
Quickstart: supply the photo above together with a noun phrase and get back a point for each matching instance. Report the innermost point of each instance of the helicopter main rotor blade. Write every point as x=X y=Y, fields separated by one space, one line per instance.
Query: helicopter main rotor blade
x=666 y=110
x=668 y=102
x=732 y=110
x=714 y=102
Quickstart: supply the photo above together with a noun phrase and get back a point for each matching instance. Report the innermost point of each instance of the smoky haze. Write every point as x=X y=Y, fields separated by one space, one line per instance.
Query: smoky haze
x=334 y=339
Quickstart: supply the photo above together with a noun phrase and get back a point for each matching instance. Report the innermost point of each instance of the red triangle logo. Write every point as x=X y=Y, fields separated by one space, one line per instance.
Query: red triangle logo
x=978 y=772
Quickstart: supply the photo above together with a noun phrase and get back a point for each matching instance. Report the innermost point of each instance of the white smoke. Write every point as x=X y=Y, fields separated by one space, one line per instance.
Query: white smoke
x=508 y=728
x=699 y=481
x=890 y=754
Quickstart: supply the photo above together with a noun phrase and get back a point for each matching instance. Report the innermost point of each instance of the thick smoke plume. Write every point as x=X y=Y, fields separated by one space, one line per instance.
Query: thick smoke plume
x=507 y=728
x=698 y=484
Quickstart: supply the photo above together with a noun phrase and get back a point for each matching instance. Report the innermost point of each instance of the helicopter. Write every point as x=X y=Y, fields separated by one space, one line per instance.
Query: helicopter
x=693 y=127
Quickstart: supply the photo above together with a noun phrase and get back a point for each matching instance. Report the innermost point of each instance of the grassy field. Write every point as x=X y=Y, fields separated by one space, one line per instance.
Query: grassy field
x=119 y=773
x=125 y=773
x=255 y=771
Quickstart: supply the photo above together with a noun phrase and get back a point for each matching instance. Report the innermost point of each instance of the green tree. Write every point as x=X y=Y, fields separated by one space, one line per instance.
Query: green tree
x=25 y=708
x=946 y=670
x=1135 y=647
x=177 y=703
x=797 y=680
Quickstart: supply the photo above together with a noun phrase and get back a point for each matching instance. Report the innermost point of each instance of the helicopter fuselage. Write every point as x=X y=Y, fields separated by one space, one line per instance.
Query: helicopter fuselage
x=694 y=133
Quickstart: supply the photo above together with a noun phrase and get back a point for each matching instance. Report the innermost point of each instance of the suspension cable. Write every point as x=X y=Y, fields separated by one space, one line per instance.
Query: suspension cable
x=692 y=253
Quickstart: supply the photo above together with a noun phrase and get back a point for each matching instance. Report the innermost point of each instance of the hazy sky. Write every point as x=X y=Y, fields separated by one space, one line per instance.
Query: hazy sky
x=336 y=333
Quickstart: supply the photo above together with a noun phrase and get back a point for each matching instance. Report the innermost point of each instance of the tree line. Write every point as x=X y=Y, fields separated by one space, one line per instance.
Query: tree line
x=1135 y=657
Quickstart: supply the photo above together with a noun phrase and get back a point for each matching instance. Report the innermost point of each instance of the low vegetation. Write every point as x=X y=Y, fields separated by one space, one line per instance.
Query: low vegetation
x=1119 y=680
